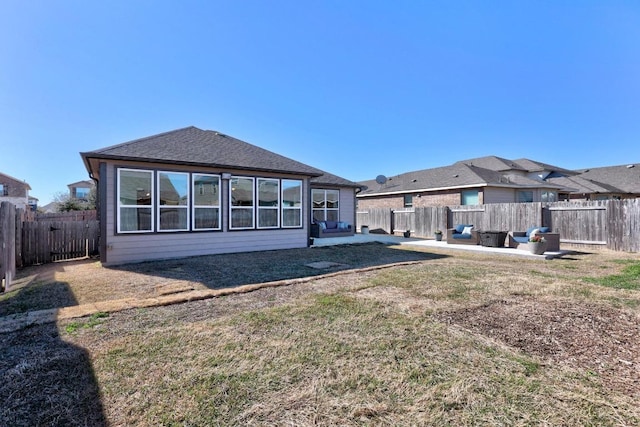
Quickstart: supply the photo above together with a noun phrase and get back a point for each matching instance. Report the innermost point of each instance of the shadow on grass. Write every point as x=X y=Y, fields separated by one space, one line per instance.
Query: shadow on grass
x=47 y=381
x=36 y=291
x=228 y=270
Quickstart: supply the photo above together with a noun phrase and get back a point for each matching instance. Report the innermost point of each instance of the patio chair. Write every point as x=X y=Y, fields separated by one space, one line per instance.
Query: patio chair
x=520 y=239
x=462 y=234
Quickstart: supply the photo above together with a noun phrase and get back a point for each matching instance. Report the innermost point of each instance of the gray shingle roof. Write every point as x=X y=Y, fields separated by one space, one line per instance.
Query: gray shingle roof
x=193 y=146
x=619 y=179
x=535 y=166
x=577 y=184
x=333 y=180
x=493 y=163
x=458 y=175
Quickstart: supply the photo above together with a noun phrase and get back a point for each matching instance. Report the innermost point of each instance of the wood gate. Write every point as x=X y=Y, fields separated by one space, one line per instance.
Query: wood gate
x=50 y=241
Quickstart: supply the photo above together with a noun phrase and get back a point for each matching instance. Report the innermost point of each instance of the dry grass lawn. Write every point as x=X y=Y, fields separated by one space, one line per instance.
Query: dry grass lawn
x=451 y=339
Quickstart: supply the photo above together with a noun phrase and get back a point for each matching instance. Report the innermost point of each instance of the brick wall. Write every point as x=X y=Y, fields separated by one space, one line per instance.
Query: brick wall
x=420 y=200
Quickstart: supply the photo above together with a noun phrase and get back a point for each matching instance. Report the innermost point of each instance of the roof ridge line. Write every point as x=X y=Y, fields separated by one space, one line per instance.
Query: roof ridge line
x=123 y=144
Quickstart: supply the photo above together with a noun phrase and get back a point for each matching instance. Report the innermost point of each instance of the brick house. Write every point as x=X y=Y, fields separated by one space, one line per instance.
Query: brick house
x=14 y=191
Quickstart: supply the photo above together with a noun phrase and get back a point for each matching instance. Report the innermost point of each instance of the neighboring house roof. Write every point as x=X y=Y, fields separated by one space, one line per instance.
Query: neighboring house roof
x=617 y=179
x=578 y=184
x=19 y=181
x=81 y=184
x=535 y=166
x=494 y=163
x=458 y=175
x=193 y=146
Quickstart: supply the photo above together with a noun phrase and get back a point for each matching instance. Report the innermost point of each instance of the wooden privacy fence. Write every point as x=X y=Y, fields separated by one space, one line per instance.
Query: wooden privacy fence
x=611 y=223
x=50 y=241
x=7 y=244
x=28 y=239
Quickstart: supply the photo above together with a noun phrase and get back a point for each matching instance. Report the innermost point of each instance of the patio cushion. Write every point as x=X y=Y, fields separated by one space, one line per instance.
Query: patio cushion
x=460 y=227
x=467 y=230
x=462 y=236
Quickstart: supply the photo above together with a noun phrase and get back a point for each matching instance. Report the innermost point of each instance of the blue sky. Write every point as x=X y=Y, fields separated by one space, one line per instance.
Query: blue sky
x=357 y=88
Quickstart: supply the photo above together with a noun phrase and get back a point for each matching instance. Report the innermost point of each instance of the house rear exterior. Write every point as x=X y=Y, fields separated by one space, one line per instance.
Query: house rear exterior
x=196 y=192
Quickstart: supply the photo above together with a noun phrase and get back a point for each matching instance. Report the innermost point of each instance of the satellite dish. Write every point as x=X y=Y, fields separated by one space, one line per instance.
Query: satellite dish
x=381 y=179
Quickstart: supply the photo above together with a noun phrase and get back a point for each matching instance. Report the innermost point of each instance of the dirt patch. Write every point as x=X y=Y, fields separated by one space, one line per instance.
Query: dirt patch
x=602 y=340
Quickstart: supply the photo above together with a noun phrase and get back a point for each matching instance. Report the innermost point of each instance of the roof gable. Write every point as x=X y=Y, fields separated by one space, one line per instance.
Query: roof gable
x=8 y=178
x=493 y=163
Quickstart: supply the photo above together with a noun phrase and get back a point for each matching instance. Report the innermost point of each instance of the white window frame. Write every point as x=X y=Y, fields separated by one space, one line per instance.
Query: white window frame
x=195 y=206
x=291 y=208
x=160 y=207
x=325 y=209
x=252 y=208
x=120 y=206
x=271 y=208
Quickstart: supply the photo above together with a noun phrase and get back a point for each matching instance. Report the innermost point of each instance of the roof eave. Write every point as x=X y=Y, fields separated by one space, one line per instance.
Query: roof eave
x=93 y=155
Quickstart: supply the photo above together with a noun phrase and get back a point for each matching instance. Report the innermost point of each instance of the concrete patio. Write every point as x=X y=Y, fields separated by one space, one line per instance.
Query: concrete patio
x=413 y=241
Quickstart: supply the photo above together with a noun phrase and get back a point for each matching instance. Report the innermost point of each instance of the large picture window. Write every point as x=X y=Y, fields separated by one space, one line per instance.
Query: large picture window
x=268 y=203
x=325 y=205
x=173 y=201
x=206 y=202
x=241 y=203
x=135 y=201
x=291 y=203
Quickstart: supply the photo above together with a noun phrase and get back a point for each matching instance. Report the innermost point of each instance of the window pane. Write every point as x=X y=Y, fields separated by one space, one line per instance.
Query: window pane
x=206 y=190
x=318 y=215
x=268 y=192
x=135 y=219
x=292 y=217
x=206 y=218
x=291 y=193
x=469 y=197
x=267 y=218
x=173 y=219
x=525 y=196
x=241 y=218
x=332 y=215
x=318 y=198
x=174 y=188
x=548 y=196
x=82 y=193
x=135 y=187
x=408 y=201
x=332 y=199
x=241 y=191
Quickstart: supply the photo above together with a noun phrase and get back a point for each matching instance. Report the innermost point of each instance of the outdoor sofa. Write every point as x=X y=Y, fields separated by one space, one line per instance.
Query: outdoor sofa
x=320 y=229
x=463 y=234
x=520 y=239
